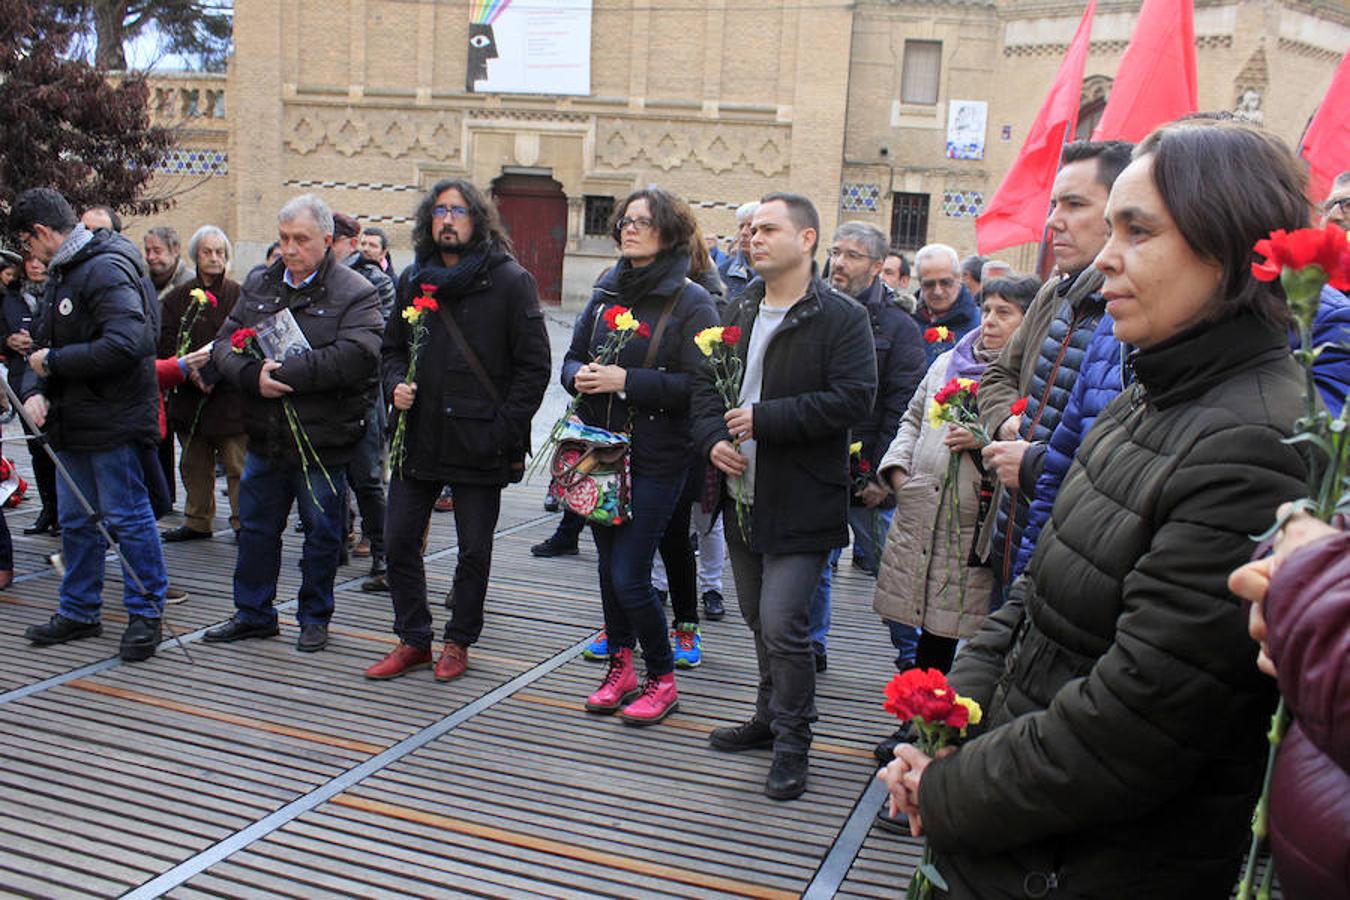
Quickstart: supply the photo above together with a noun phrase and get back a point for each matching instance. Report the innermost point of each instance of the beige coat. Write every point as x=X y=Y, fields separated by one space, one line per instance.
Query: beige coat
x=921 y=572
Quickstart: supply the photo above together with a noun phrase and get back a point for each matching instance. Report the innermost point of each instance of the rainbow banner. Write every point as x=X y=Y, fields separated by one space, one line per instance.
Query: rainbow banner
x=486 y=12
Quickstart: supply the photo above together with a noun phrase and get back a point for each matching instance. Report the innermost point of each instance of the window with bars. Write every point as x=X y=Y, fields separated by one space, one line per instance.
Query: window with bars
x=599 y=210
x=909 y=221
x=921 y=73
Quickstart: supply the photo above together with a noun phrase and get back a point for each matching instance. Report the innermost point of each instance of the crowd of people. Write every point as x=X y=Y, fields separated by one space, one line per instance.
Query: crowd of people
x=1060 y=545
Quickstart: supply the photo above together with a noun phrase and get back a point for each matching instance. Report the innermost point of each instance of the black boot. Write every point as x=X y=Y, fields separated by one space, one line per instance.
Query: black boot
x=58 y=629
x=140 y=638
x=45 y=522
x=787 y=776
x=377 y=582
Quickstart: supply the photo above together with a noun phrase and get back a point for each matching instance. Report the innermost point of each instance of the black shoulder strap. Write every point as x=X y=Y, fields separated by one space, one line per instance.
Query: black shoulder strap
x=661 y=324
x=466 y=351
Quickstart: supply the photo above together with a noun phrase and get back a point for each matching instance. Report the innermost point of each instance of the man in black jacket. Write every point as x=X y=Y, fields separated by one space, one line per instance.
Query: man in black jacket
x=810 y=374
x=93 y=383
x=315 y=397
x=482 y=368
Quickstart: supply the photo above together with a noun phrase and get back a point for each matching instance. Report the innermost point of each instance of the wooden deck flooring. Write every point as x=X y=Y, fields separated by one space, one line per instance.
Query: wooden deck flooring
x=253 y=770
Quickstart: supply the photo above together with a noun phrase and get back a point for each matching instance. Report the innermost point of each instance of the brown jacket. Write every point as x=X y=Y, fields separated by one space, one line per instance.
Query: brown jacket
x=220 y=414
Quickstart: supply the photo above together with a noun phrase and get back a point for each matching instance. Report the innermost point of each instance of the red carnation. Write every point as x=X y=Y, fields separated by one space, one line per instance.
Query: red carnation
x=643 y=330
x=428 y=289
x=1322 y=247
x=427 y=304
x=613 y=313
x=947 y=392
x=210 y=297
x=730 y=335
x=1018 y=407
x=864 y=466
x=241 y=338
x=925 y=694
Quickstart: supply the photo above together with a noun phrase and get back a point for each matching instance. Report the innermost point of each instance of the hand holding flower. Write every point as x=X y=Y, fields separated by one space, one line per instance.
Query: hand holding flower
x=902 y=778
x=1005 y=458
x=268 y=386
x=597 y=378
x=741 y=423
x=404 y=395
x=958 y=439
x=728 y=459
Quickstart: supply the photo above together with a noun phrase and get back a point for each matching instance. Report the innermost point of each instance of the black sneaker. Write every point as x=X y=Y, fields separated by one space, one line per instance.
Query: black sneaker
x=714 y=606
x=237 y=630
x=661 y=596
x=822 y=661
x=787 y=776
x=752 y=735
x=59 y=630
x=895 y=824
x=141 y=638
x=554 y=547
x=885 y=750
x=313 y=637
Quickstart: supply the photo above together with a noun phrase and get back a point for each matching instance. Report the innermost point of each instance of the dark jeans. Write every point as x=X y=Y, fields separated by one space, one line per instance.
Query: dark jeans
x=266 y=492
x=905 y=640
x=409 y=510
x=363 y=477
x=935 y=652
x=569 y=528
x=44 y=473
x=775 y=593
x=6 y=545
x=677 y=552
x=112 y=481
x=633 y=615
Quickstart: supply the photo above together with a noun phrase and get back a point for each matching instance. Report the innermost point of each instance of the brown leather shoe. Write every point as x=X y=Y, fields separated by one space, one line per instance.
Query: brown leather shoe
x=404 y=659
x=454 y=660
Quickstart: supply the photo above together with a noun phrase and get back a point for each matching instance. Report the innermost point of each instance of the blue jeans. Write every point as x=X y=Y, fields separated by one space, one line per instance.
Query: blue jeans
x=266 y=491
x=633 y=614
x=905 y=640
x=869 y=536
x=114 y=484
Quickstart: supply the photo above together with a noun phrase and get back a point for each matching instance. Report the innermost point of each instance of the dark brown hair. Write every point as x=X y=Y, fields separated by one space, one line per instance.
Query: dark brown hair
x=1204 y=171
x=487 y=224
x=700 y=263
x=671 y=217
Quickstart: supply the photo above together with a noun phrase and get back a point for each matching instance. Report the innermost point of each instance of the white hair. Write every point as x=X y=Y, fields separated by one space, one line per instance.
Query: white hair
x=746 y=210
x=207 y=231
x=928 y=251
x=311 y=204
x=995 y=268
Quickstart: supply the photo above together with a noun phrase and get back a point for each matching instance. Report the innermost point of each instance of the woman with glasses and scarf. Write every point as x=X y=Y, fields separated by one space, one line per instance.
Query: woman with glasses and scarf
x=645 y=393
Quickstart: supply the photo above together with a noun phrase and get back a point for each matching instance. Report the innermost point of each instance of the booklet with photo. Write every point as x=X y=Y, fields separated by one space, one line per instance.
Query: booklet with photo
x=280 y=337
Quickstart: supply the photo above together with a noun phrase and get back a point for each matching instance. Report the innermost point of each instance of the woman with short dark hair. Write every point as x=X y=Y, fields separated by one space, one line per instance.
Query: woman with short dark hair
x=1123 y=739
x=644 y=392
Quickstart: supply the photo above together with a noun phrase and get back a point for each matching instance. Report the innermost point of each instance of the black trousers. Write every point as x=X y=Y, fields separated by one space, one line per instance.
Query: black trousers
x=408 y=512
x=935 y=652
x=44 y=473
x=677 y=552
x=166 y=462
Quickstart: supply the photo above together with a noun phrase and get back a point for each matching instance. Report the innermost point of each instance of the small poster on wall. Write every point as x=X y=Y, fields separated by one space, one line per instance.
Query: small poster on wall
x=965 y=129
x=529 y=47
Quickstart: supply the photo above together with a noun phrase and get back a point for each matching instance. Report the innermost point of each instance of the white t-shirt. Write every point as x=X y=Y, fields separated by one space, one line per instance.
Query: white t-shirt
x=767 y=321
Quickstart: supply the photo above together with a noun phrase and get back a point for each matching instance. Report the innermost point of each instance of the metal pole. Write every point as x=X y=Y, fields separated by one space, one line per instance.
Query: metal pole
x=37 y=436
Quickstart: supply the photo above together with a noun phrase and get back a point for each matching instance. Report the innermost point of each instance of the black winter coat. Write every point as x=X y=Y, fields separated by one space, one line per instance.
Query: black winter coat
x=455 y=432
x=1125 y=719
x=657 y=397
x=101 y=321
x=902 y=361
x=340 y=316
x=820 y=377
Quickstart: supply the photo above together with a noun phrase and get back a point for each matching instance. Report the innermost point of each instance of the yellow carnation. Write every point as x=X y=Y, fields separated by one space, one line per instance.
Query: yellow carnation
x=625 y=321
x=935 y=414
x=706 y=338
x=411 y=314
x=974 y=708
x=855 y=448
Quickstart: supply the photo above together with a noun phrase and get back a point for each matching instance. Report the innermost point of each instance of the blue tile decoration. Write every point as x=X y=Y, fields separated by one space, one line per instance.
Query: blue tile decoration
x=195 y=162
x=860 y=197
x=962 y=204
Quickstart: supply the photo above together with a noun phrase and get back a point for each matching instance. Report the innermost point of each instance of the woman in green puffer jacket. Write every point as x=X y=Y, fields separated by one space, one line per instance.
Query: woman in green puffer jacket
x=1123 y=738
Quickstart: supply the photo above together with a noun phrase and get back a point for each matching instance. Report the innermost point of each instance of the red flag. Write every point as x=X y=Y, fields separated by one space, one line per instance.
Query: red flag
x=1017 y=212
x=1156 y=81
x=1326 y=143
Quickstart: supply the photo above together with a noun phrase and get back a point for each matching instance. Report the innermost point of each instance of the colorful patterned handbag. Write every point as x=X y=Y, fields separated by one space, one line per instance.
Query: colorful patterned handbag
x=590 y=475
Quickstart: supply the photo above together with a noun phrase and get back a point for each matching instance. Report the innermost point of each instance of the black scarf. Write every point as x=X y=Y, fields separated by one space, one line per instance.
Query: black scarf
x=634 y=284
x=453 y=280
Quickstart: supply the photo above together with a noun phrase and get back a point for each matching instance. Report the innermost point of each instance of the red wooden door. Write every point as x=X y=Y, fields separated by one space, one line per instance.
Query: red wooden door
x=534 y=211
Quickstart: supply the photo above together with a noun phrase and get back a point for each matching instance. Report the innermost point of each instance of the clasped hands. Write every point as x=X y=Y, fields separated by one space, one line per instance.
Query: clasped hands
x=902 y=777
x=594 y=378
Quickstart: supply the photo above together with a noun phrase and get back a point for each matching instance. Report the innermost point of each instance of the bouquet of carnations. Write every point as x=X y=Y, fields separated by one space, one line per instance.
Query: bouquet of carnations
x=718 y=344
x=1304 y=261
x=415 y=315
x=955 y=404
x=245 y=340
x=940 y=717
x=623 y=327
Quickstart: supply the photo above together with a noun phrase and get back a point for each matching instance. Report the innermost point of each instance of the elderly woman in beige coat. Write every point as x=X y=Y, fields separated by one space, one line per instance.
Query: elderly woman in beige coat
x=926 y=579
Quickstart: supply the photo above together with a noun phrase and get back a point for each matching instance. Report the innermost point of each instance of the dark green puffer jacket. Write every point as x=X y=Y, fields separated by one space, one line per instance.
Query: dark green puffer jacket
x=1124 y=733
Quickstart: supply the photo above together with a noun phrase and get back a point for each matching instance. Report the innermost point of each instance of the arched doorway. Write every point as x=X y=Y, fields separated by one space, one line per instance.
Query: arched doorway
x=534 y=211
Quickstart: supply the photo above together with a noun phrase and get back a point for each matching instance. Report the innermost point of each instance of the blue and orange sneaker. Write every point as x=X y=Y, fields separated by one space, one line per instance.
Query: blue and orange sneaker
x=598 y=649
x=687 y=642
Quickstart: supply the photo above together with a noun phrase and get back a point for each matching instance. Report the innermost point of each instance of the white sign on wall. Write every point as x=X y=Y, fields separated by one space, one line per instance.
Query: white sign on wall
x=966 y=121
x=529 y=47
